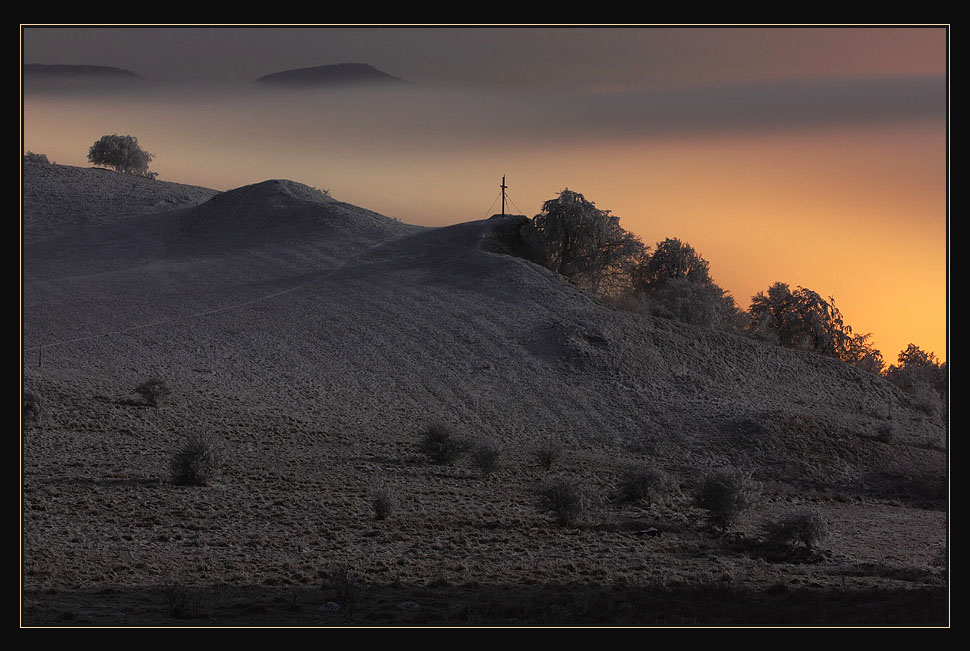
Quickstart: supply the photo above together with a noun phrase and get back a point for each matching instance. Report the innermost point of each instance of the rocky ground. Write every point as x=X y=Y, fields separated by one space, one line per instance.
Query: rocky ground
x=312 y=342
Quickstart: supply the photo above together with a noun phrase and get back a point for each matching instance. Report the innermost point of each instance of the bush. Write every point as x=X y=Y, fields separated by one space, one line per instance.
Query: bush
x=32 y=408
x=565 y=499
x=441 y=444
x=153 y=391
x=31 y=157
x=547 y=453
x=485 y=457
x=383 y=502
x=642 y=485
x=347 y=588
x=923 y=377
x=725 y=494
x=187 y=603
x=196 y=463
x=700 y=304
x=806 y=527
x=123 y=154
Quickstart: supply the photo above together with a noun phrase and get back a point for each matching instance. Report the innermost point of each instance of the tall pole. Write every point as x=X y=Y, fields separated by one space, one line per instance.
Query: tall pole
x=503 y=195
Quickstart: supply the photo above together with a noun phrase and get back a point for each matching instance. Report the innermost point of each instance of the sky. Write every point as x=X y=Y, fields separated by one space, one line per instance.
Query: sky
x=815 y=156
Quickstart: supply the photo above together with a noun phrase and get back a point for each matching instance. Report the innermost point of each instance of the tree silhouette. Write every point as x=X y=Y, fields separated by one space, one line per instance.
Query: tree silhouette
x=916 y=368
x=675 y=283
x=123 y=154
x=585 y=244
x=672 y=260
x=803 y=320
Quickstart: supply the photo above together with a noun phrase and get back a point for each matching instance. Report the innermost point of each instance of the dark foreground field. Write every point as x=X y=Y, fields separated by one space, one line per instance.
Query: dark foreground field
x=312 y=342
x=716 y=604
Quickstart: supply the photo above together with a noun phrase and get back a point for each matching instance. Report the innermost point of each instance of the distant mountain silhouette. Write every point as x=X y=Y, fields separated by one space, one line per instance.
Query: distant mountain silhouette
x=341 y=74
x=75 y=71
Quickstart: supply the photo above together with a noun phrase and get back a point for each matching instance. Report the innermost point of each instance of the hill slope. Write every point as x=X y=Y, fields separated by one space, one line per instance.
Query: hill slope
x=316 y=339
x=62 y=200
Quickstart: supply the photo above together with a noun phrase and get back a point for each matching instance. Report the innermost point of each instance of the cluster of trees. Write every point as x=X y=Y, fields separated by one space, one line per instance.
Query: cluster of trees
x=588 y=246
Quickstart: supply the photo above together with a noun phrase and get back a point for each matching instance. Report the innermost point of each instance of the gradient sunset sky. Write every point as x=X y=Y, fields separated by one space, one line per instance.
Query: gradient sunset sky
x=815 y=156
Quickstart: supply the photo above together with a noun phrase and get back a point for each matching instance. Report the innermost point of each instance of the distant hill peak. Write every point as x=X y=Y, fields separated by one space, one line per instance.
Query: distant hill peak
x=273 y=192
x=75 y=71
x=277 y=211
x=341 y=74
